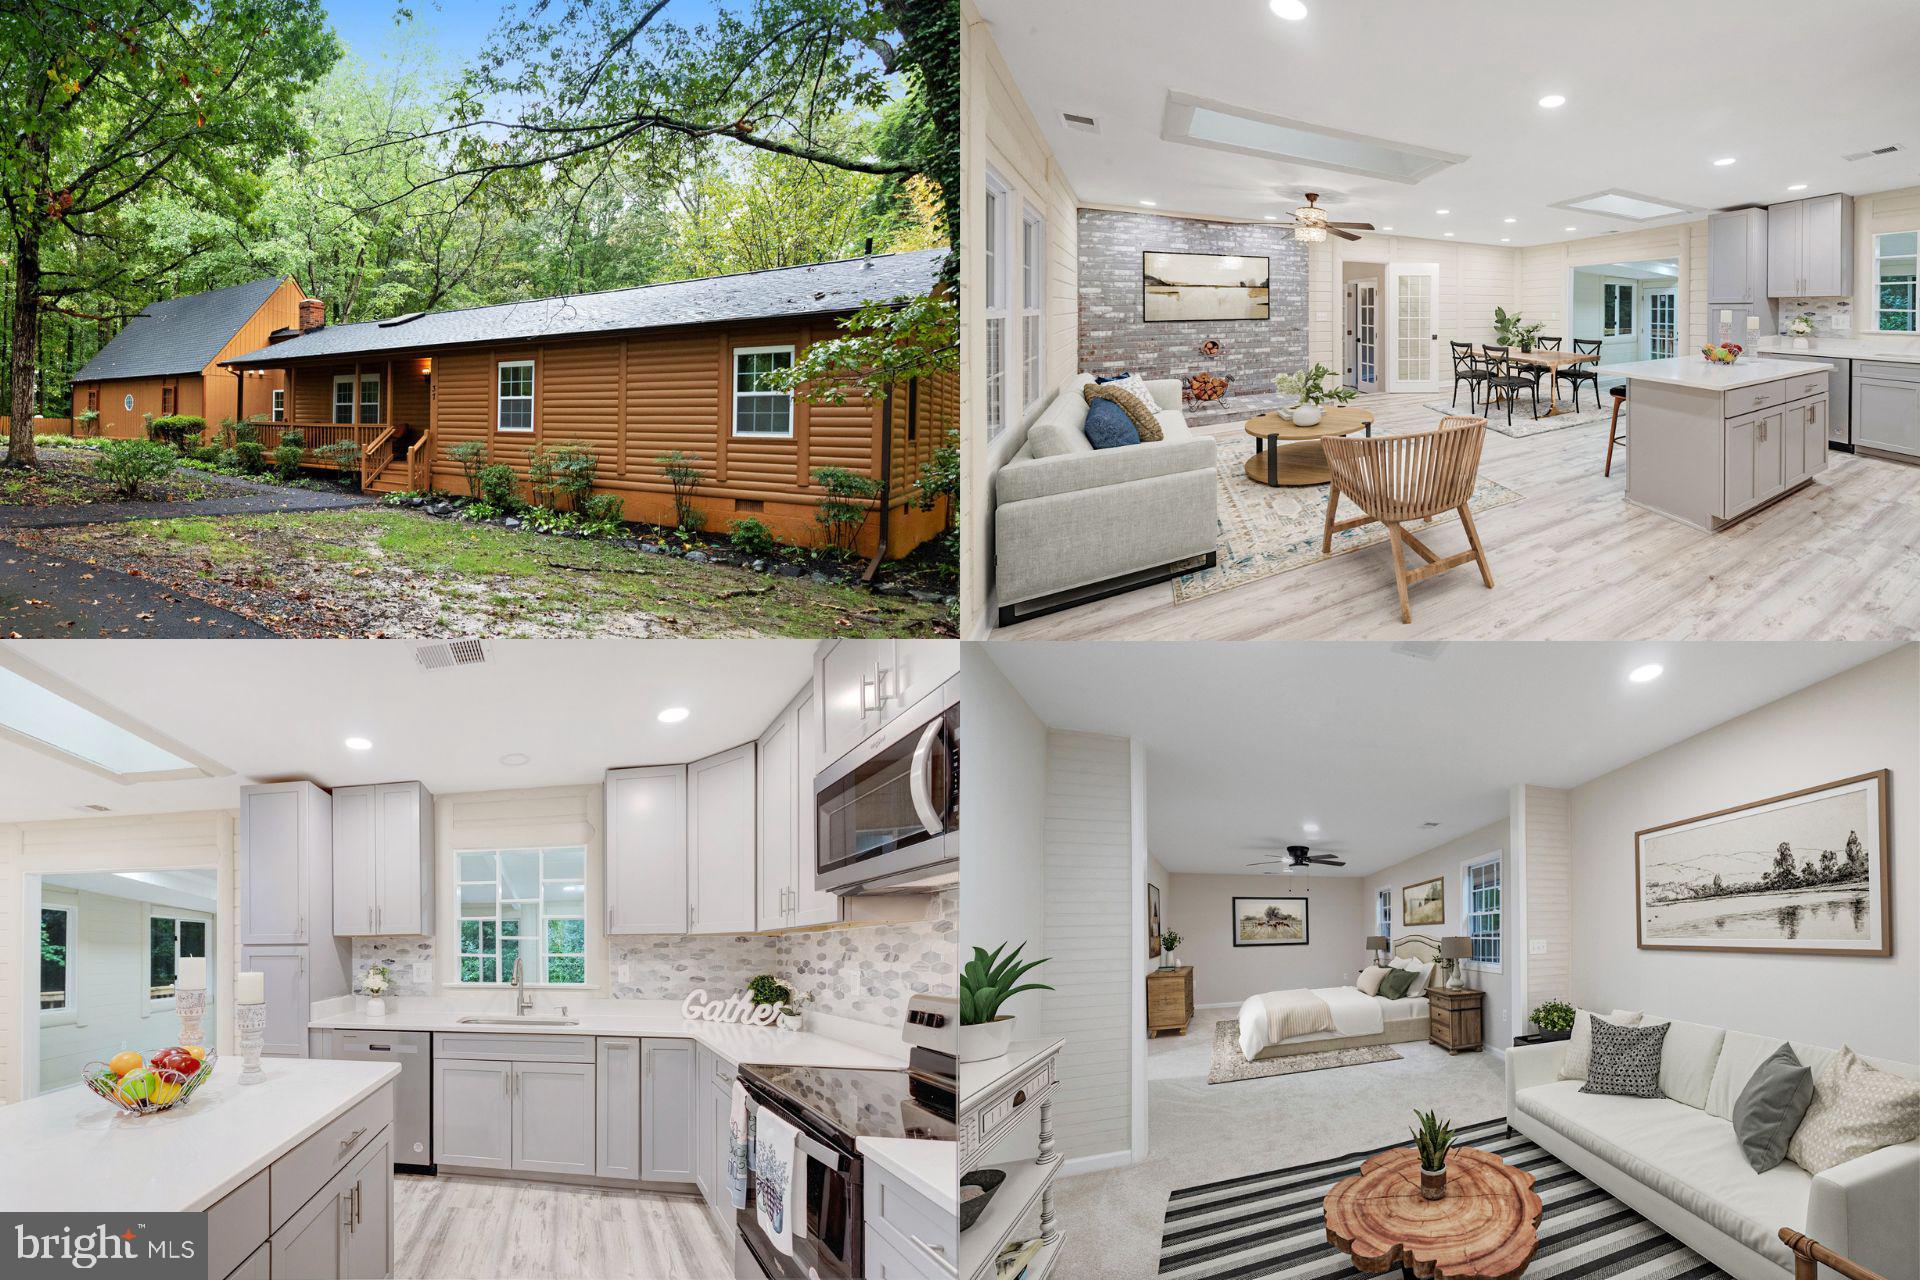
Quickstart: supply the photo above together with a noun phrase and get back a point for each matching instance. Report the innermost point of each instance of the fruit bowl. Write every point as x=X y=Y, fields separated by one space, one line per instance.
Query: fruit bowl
x=1714 y=353
x=145 y=1086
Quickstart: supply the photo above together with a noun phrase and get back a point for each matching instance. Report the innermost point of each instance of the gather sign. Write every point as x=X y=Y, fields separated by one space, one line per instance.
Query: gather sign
x=739 y=1007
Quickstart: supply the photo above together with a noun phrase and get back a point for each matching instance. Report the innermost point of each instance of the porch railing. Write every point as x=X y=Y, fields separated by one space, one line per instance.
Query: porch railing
x=420 y=463
x=318 y=435
x=375 y=457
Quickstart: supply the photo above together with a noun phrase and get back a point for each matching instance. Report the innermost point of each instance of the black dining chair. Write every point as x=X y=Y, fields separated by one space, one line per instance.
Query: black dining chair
x=1468 y=369
x=1579 y=373
x=1546 y=344
x=1507 y=379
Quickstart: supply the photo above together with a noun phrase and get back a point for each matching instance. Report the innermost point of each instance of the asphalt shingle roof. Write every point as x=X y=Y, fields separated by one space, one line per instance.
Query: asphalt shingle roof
x=821 y=288
x=178 y=335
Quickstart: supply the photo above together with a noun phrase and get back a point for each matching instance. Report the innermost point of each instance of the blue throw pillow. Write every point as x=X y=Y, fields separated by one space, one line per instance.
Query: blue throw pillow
x=1118 y=377
x=1108 y=425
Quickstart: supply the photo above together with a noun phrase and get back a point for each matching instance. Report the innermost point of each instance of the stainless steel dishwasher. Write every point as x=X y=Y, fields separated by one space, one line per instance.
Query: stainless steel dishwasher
x=412 y=1052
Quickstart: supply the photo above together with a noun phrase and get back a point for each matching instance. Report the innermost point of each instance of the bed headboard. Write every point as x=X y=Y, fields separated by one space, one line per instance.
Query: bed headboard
x=1417 y=946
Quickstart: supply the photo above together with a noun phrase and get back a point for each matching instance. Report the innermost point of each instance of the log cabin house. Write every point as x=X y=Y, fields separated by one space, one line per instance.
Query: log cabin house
x=167 y=359
x=632 y=374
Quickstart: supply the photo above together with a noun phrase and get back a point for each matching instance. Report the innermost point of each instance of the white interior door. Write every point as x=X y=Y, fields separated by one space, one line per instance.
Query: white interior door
x=1663 y=324
x=1349 y=367
x=1413 y=331
x=1367 y=335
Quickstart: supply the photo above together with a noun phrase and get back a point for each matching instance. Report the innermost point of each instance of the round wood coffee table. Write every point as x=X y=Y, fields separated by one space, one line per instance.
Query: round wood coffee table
x=1284 y=454
x=1484 y=1228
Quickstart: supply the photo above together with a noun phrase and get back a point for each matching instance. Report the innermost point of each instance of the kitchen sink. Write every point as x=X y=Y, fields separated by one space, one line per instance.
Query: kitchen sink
x=509 y=1020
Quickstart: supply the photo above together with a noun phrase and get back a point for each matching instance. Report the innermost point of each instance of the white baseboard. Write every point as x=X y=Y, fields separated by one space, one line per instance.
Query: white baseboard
x=1094 y=1164
x=1224 y=1004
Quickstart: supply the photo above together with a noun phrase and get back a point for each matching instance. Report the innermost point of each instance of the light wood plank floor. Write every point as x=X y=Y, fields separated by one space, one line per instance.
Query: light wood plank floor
x=463 y=1228
x=1575 y=560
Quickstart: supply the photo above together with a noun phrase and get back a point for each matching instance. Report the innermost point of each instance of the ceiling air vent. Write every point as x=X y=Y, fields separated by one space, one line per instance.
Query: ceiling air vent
x=1876 y=151
x=439 y=655
x=1085 y=124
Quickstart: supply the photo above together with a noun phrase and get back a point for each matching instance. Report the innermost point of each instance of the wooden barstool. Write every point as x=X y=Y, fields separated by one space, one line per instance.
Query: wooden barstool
x=1613 y=428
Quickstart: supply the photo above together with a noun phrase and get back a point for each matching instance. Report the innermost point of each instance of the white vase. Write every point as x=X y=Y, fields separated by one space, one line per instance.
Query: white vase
x=376 y=1007
x=980 y=1041
x=1800 y=343
x=1167 y=961
x=1305 y=415
x=790 y=1020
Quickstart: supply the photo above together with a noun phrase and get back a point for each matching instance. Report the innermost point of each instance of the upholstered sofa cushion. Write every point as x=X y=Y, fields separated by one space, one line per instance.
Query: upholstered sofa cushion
x=1687 y=1060
x=1742 y=1052
x=1857 y=1109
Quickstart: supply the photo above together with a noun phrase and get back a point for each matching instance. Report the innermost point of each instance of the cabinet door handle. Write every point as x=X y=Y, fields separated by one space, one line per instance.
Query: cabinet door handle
x=867 y=682
x=936 y=1252
x=609 y=919
x=346 y=1143
x=369 y=919
x=356 y=1207
x=880 y=694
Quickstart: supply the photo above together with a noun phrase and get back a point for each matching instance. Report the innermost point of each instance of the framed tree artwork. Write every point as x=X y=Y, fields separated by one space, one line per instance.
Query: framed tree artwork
x=1803 y=873
x=1270 y=922
x=1424 y=903
x=1153 y=921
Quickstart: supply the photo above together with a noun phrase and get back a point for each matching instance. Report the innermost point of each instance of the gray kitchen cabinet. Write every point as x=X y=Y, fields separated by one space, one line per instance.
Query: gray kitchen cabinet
x=667 y=1146
x=703 y=1150
x=850 y=681
x=617 y=1115
x=919 y=668
x=811 y=905
x=473 y=1113
x=720 y=842
x=346 y=1231
x=1886 y=407
x=1810 y=248
x=553 y=1117
x=258 y=1266
x=776 y=839
x=369 y=1243
x=286 y=833
x=289 y=997
x=312 y=1244
x=646 y=850
x=383 y=860
x=720 y=1112
x=1737 y=256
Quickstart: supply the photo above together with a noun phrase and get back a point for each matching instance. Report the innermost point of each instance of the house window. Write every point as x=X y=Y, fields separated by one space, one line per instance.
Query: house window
x=516 y=396
x=995 y=238
x=759 y=407
x=1480 y=882
x=93 y=398
x=1616 y=314
x=169 y=937
x=128 y=402
x=523 y=904
x=343 y=398
x=1383 y=913
x=57 y=936
x=1033 y=302
x=279 y=405
x=1894 y=256
x=166 y=401
x=370 y=397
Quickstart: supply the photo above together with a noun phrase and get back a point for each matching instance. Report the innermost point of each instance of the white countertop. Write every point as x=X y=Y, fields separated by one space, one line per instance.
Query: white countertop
x=1895 y=349
x=1696 y=374
x=69 y=1151
x=930 y=1168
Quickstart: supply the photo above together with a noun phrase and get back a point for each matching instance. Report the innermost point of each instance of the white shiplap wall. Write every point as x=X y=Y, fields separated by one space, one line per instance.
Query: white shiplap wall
x=1090 y=940
x=1549 y=906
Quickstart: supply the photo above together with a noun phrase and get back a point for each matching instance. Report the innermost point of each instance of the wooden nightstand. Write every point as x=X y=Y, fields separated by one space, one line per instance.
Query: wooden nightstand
x=1169 y=1000
x=1454 y=1018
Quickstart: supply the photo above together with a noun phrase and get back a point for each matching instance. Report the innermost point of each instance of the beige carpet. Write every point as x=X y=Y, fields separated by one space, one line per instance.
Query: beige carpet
x=1229 y=1064
x=1264 y=531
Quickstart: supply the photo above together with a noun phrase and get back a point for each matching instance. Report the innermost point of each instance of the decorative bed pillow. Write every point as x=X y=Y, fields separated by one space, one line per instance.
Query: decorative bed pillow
x=1580 y=1043
x=1770 y=1108
x=1140 y=410
x=1421 y=973
x=1625 y=1060
x=1856 y=1109
x=1394 y=985
x=1108 y=426
x=1370 y=978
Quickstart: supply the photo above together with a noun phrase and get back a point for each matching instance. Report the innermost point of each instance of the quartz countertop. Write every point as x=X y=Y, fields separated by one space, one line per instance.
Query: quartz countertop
x=69 y=1151
x=930 y=1168
x=1696 y=374
x=1890 y=348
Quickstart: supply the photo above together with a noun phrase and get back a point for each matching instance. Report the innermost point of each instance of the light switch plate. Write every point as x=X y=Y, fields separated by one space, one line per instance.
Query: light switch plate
x=422 y=971
x=1536 y=946
x=624 y=973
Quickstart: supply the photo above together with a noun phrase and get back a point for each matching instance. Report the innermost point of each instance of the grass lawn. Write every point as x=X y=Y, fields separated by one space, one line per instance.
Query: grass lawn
x=397 y=573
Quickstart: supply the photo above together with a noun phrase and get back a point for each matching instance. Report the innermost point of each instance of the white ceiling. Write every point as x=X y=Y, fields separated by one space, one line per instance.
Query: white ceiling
x=283 y=710
x=1246 y=742
x=1656 y=91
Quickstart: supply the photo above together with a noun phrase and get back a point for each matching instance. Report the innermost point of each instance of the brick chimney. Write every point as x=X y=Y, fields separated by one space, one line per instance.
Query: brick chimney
x=313 y=314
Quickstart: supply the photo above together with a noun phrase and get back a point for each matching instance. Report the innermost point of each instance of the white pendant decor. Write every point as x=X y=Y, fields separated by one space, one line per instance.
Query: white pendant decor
x=739 y=1007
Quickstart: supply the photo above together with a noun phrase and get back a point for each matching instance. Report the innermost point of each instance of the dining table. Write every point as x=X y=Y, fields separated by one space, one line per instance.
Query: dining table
x=1553 y=362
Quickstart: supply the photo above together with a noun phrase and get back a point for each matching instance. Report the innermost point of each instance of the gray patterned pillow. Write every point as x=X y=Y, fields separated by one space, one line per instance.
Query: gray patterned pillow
x=1625 y=1060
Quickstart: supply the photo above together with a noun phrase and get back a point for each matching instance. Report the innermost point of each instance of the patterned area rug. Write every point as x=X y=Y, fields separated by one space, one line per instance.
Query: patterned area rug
x=1270 y=1224
x=1525 y=424
x=1231 y=408
x=1264 y=531
x=1229 y=1064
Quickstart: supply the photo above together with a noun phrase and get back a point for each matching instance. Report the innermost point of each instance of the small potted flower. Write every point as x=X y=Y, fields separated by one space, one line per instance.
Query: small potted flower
x=766 y=989
x=1554 y=1018
x=1433 y=1139
x=378 y=981
x=790 y=1016
x=1801 y=328
x=1169 y=943
x=1310 y=394
x=986 y=982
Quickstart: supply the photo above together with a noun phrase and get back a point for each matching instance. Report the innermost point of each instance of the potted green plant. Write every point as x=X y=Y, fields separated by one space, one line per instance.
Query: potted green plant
x=1554 y=1018
x=1432 y=1138
x=1310 y=393
x=1510 y=331
x=986 y=982
x=765 y=989
x=1169 y=942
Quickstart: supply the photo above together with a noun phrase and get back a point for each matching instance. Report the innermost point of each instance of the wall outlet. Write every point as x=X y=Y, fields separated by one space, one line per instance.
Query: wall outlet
x=624 y=973
x=1536 y=946
x=422 y=971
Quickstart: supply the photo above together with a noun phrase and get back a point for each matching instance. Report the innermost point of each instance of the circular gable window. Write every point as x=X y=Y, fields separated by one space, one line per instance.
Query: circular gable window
x=128 y=402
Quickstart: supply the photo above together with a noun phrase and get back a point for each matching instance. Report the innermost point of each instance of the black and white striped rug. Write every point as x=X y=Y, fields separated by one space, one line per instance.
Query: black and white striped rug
x=1270 y=1224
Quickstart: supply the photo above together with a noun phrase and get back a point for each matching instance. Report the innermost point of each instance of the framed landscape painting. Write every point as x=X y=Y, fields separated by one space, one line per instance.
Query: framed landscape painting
x=1203 y=286
x=1424 y=903
x=1803 y=873
x=1269 y=922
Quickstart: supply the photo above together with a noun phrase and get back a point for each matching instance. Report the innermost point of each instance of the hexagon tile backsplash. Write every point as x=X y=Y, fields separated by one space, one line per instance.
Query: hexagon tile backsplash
x=864 y=972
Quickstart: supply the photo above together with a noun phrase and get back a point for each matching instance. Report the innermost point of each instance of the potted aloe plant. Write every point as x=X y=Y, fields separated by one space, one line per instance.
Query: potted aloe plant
x=986 y=982
x=1433 y=1139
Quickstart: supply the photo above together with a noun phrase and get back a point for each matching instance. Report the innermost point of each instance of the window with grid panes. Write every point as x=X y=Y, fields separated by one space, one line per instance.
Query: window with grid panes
x=525 y=904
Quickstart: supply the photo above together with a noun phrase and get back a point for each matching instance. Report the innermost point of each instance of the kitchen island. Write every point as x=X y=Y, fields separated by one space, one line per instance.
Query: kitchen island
x=1710 y=443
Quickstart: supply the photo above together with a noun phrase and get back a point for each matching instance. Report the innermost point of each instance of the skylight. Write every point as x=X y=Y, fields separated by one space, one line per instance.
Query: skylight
x=1624 y=204
x=1222 y=127
x=37 y=710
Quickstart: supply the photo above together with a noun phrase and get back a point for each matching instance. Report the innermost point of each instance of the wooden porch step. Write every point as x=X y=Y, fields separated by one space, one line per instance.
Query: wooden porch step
x=392 y=479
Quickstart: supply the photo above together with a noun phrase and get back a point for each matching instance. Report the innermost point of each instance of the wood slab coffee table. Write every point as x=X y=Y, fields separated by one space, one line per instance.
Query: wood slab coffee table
x=1285 y=454
x=1484 y=1229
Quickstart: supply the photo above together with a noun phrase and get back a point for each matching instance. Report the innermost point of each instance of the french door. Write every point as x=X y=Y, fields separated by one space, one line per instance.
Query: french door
x=1662 y=325
x=1366 y=334
x=1413 y=337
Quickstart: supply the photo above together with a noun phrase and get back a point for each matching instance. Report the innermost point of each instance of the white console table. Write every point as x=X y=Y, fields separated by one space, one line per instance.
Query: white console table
x=996 y=1097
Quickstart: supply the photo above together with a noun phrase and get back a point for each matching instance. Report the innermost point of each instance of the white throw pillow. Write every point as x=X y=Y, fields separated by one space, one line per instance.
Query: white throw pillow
x=1421 y=971
x=1370 y=979
x=1857 y=1109
x=1580 y=1043
x=1687 y=1060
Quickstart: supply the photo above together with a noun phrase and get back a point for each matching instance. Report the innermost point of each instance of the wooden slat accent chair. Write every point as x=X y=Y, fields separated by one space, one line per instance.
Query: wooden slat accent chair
x=1398 y=479
x=1810 y=1255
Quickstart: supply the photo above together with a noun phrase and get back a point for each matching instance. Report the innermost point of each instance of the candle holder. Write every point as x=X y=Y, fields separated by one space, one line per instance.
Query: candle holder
x=192 y=1007
x=252 y=1023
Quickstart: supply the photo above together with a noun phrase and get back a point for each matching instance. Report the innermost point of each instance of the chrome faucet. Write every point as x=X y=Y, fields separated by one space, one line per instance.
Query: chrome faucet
x=522 y=1002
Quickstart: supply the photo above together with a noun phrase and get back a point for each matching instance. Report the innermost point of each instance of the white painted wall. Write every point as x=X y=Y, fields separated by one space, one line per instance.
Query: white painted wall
x=1864 y=719
x=1225 y=974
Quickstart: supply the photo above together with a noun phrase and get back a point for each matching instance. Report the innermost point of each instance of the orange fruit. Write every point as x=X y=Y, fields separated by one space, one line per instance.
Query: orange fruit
x=199 y=1051
x=123 y=1062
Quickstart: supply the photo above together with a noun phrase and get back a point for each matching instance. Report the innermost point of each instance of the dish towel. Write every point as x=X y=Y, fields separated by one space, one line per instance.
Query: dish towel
x=739 y=1147
x=781 y=1186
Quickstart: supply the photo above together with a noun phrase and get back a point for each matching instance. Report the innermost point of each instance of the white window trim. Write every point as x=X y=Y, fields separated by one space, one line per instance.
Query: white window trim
x=590 y=911
x=379 y=408
x=69 y=1013
x=334 y=413
x=1033 y=270
x=733 y=422
x=279 y=404
x=1873 y=283
x=1384 y=918
x=998 y=233
x=500 y=400
x=1498 y=858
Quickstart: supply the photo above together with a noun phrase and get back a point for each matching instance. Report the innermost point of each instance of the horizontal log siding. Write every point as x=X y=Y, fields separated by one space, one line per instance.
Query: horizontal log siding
x=669 y=403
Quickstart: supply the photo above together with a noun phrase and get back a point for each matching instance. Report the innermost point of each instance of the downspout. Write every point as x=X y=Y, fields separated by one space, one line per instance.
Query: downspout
x=239 y=395
x=886 y=488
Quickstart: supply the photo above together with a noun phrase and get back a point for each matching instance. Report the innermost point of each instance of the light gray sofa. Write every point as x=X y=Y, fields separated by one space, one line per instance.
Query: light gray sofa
x=1073 y=523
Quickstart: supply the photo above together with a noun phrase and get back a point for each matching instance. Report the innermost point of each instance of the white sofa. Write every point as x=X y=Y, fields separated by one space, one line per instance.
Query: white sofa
x=1675 y=1159
x=1082 y=523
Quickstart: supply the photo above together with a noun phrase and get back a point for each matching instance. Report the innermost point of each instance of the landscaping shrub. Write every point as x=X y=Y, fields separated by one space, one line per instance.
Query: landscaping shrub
x=683 y=473
x=573 y=466
x=228 y=460
x=344 y=455
x=840 y=513
x=752 y=537
x=286 y=462
x=86 y=423
x=251 y=455
x=471 y=456
x=181 y=430
x=128 y=464
x=498 y=487
x=607 y=509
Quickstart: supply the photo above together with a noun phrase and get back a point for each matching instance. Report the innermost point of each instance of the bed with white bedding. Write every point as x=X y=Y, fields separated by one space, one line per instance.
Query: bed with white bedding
x=1277 y=1024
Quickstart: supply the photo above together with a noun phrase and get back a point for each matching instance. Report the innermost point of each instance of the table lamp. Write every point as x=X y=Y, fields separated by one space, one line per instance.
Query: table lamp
x=1453 y=950
x=1376 y=944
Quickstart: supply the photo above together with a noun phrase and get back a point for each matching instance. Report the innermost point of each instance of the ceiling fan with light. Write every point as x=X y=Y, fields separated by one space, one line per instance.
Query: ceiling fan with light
x=1299 y=858
x=1310 y=223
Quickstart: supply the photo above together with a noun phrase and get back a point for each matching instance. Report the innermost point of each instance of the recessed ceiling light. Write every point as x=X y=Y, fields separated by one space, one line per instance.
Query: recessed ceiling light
x=1291 y=10
x=359 y=744
x=1446 y=233
x=673 y=715
x=1553 y=100
x=514 y=759
x=1509 y=219
x=1572 y=228
x=1268 y=217
x=1642 y=674
x=1798 y=186
x=1386 y=228
x=1506 y=239
x=1311 y=828
x=1723 y=161
x=1443 y=212
x=1150 y=204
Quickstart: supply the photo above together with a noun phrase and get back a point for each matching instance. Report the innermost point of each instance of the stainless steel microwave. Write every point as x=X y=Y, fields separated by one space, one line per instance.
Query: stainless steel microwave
x=888 y=812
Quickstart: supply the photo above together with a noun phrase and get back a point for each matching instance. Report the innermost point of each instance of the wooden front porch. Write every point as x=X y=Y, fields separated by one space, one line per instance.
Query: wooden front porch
x=392 y=458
